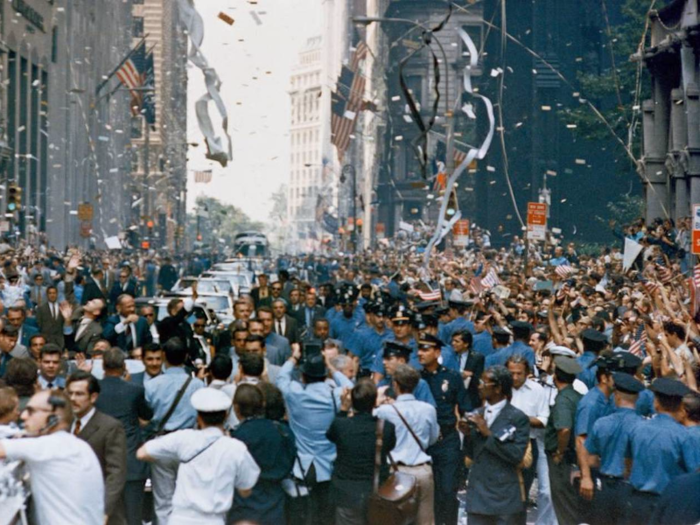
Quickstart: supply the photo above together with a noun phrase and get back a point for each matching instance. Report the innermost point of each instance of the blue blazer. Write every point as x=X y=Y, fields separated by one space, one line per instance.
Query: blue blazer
x=143 y=334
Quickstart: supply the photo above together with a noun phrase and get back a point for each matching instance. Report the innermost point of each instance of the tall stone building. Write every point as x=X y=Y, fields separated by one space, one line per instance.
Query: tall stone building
x=159 y=172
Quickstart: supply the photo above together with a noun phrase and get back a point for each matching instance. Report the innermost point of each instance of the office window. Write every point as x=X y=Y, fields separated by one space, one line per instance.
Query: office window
x=54 y=44
x=137 y=27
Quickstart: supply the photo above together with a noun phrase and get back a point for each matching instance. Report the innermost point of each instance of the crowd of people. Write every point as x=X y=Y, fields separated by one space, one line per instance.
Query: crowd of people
x=550 y=386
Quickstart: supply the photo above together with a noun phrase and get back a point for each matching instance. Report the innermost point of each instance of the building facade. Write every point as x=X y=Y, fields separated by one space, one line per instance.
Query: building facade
x=159 y=172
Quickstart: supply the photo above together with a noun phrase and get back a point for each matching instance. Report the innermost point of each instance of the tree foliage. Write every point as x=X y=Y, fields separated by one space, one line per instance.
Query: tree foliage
x=219 y=221
x=614 y=84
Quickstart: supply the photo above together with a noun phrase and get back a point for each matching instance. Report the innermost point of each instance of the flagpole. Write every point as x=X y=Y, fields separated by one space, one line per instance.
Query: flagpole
x=127 y=57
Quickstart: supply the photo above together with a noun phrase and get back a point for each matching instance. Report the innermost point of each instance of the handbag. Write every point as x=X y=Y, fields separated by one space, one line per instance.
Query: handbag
x=394 y=502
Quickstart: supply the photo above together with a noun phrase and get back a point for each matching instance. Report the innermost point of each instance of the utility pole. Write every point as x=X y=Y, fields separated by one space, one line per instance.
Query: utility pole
x=146 y=173
x=349 y=170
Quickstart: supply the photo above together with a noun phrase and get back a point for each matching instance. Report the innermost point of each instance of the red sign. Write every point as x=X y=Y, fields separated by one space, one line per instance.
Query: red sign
x=536 y=214
x=696 y=230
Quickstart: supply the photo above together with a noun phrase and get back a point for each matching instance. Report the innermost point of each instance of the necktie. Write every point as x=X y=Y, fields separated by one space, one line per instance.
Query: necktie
x=49 y=385
x=76 y=430
x=279 y=327
x=37 y=294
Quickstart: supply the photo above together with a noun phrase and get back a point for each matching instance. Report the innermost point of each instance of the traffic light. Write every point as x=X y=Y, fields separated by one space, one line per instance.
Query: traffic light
x=14 y=198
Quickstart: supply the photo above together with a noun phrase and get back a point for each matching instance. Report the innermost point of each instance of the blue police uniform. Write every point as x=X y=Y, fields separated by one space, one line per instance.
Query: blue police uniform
x=661 y=450
x=378 y=365
x=587 y=375
x=482 y=343
x=645 y=403
x=421 y=392
x=368 y=345
x=449 y=392
x=591 y=408
x=456 y=325
x=345 y=329
x=608 y=439
x=517 y=348
x=449 y=358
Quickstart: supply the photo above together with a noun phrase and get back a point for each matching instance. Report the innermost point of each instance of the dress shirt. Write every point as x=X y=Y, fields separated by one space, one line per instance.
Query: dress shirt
x=154 y=333
x=491 y=412
x=58 y=462
x=281 y=326
x=83 y=420
x=84 y=322
x=121 y=327
x=533 y=401
x=205 y=347
x=206 y=485
x=53 y=308
x=161 y=392
x=422 y=418
x=56 y=382
x=311 y=410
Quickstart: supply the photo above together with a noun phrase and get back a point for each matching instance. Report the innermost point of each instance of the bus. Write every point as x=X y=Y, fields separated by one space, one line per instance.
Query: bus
x=251 y=244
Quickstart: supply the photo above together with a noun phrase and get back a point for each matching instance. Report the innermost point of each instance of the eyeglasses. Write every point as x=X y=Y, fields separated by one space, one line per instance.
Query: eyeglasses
x=200 y=325
x=276 y=287
x=149 y=315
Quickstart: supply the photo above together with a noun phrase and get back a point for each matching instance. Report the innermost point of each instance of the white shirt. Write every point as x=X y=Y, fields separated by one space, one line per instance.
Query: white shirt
x=120 y=327
x=206 y=484
x=154 y=333
x=84 y=322
x=53 y=308
x=230 y=390
x=532 y=399
x=83 y=421
x=281 y=326
x=491 y=412
x=67 y=485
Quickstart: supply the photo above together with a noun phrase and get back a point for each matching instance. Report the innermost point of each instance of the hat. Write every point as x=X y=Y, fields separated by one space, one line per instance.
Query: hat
x=521 y=329
x=401 y=313
x=429 y=341
x=423 y=321
x=567 y=364
x=669 y=387
x=501 y=334
x=624 y=360
x=392 y=348
x=593 y=339
x=314 y=366
x=459 y=305
x=210 y=400
x=425 y=305
x=627 y=383
x=562 y=351
x=441 y=310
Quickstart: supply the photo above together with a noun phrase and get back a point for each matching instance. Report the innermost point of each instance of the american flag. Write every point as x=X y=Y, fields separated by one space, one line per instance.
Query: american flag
x=695 y=289
x=490 y=280
x=639 y=343
x=346 y=104
x=475 y=285
x=564 y=270
x=202 y=176
x=432 y=295
x=665 y=274
x=131 y=72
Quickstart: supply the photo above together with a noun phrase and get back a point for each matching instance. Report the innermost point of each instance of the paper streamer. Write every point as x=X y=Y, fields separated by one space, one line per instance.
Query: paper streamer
x=473 y=153
x=193 y=23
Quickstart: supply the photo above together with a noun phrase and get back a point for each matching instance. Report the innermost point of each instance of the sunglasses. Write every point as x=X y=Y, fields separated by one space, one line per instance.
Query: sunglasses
x=200 y=325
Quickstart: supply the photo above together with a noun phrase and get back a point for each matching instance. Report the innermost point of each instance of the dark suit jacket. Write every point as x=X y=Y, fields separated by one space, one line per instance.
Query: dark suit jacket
x=92 y=291
x=317 y=311
x=355 y=440
x=475 y=363
x=255 y=294
x=497 y=489
x=51 y=328
x=297 y=315
x=107 y=439
x=177 y=326
x=291 y=329
x=126 y=402
x=143 y=333
x=88 y=338
x=117 y=290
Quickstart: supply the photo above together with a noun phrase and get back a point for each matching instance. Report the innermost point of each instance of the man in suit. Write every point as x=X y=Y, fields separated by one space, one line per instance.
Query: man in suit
x=50 y=319
x=105 y=436
x=495 y=440
x=94 y=287
x=470 y=365
x=283 y=324
x=126 y=329
x=262 y=295
x=312 y=310
x=296 y=307
x=126 y=285
x=8 y=340
x=17 y=317
x=81 y=327
x=176 y=325
x=278 y=348
x=126 y=402
x=38 y=290
x=153 y=361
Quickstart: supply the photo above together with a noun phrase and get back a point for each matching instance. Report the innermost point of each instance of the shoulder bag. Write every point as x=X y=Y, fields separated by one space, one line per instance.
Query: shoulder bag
x=161 y=426
x=394 y=502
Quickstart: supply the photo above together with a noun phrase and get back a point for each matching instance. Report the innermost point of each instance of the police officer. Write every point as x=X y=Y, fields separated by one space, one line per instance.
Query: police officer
x=451 y=396
x=345 y=324
x=395 y=354
x=459 y=322
x=211 y=465
x=370 y=340
x=401 y=320
x=595 y=404
x=660 y=450
x=593 y=343
x=606 y=444
x=559 y=443
x=521 y=334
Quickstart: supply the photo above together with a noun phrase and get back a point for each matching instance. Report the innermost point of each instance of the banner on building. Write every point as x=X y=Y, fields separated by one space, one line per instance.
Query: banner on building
x=536 y=221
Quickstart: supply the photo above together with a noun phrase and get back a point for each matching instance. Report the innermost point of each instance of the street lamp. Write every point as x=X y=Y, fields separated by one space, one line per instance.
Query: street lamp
x=349 y=171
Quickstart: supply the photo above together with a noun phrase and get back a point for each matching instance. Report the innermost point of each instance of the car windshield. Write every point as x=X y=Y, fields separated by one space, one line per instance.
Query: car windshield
x=216 y=303
x=218 y=286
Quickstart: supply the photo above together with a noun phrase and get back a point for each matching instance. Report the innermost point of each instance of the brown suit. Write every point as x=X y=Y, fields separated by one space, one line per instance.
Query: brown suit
x=106 y=437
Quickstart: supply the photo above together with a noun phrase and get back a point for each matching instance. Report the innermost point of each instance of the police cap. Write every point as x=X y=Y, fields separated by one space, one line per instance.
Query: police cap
x=567 y=364
x=593 y=339
x=401 y=314
x=627 y=383
x=562 y=351
x=210 y=400
x=521 y=329
x=669 y=387
x=429 y=341
x=392 y=348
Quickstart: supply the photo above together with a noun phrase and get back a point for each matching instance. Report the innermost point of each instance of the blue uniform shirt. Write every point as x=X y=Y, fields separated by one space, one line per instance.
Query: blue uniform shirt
x=448 y=390
x=609 y=438
x=368 y=344
x=449 y=358
x=660 y=449
x=378 y=365
x=587 y=376
x=518 y=347
x=161 y=392
x=483 y=343
x=457 y=325
x=591 y=408
x=645 y=403
x=421 y=392
x=345 y=330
